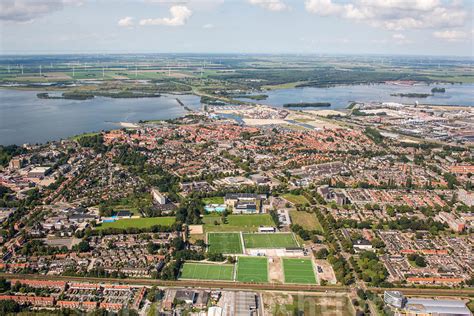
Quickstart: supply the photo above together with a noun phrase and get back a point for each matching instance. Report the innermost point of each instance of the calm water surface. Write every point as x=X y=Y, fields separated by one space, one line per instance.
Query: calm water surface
x=341 y=96
x=26 y=119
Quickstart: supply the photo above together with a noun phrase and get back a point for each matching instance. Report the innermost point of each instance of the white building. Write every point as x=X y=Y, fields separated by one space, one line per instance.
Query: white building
x=38 y=172
x=361 y=245
x=264 y=229
x=394 y=299
x=158 y=197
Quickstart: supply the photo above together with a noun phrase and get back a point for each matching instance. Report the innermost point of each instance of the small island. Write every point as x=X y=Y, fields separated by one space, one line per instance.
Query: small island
x=307 y=105
x=256 y=97
x=411 y=95
x=81 y=95
x=438 y=90
x=66 y=95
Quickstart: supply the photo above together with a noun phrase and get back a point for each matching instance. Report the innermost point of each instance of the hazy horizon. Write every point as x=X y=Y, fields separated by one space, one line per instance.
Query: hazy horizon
x=329 y=27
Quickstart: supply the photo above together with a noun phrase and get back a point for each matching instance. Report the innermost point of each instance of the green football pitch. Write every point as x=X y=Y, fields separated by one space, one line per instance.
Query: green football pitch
x=226 y=243
x=298 y=271
x=204 y=271
x=270 y=240
x=252 y=269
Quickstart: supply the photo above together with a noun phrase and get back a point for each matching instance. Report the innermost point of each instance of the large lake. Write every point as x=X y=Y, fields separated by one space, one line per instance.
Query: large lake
x=26 y=119
x=341 y=96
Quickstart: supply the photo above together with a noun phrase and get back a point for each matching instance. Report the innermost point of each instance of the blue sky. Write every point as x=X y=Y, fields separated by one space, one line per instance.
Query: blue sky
x=421 y=27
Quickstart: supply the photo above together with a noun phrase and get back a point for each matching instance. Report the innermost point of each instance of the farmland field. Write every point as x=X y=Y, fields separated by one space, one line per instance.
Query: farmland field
x=205 y=271
x=244 y=223
x=272 y=240
x=227 y=243
x=298 y=271
x=144 y=222
x=252 y=269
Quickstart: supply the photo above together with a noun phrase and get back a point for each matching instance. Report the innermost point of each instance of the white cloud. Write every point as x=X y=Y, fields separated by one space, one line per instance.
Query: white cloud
x=394 y=15
x=208 y=26
x=323 y=7
x=398 y=36
x=126 y=21
x=401 y=39
x=422 y=5
x=272 y=5
x=450 y=35
x=193 y=4
x=28 y=10
x=179 y=16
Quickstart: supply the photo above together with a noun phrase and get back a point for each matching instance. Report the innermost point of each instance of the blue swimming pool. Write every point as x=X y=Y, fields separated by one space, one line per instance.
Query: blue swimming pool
x=215 y=208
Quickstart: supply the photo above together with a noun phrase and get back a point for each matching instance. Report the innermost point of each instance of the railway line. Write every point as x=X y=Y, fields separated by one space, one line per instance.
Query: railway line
x=465 y=292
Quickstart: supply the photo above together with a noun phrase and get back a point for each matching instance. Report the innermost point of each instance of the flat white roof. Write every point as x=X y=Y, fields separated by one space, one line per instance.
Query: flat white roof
x=446 y=307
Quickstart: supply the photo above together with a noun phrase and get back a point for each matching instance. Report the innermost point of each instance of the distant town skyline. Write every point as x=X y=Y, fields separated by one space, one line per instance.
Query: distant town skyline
x=400 y=27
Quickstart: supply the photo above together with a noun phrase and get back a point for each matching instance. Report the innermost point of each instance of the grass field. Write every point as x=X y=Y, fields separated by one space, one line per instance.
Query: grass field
x=77 y=137
x=213 y=200
x=252 y=269
x=295 y=199
x=244 y=223
x=144 y=222
x=284 y=240
x=141 y=75
x=298 y=271
x=303 y=120
x=283 y=85
x=306 y=220
x=205 y=271
x=470 y=305
x=228 y=243
x=133 y=203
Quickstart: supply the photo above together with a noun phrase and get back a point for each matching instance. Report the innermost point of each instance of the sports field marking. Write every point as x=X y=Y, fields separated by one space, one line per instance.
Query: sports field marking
x=225 y=243
x=252 y=269
x=298 y=271
x=295 y=240
x=270 y=240
x=205 y=271
x=242 y=242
